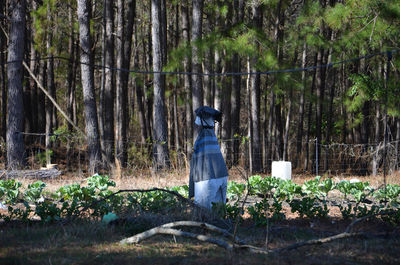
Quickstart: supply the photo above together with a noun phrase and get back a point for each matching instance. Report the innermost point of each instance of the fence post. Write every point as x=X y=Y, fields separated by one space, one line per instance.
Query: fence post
x=389 y=57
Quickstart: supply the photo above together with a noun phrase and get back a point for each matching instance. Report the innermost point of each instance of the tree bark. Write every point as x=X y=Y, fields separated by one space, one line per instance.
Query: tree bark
x=3 y=45
x=187 y=80
x=109 y=85
x=50 y=109
x=120 y=108
x=42 y=99
x=71 y=69
x=15 y=107
x=160 y=130
x=197 y=87
x=299 y=138
x=226 y=121
x=92 y=130
x=236 y=87
x=139 y=80
x=123 y=118
x=257 y=17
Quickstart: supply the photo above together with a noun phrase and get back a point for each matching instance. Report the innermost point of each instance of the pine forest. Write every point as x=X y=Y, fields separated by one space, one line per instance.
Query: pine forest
x=102 y=84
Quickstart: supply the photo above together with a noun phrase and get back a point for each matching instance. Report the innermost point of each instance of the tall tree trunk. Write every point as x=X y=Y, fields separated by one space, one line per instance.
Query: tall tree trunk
x=100 y=111
x=3 y=45
x=28 y=104
x=226 y=101
x=186 y=79
x=331 y=83
x=255 y=81
x=208 y=68
x=50 y=85
x=139 y=93
x=287 y=126
x=197 y=87
x=42 y=99
x=122 y=87
x=160 y=130
x=299 y=138
x=320 y=86
x=378 y=136
x=109 y=88
x=120 y=107
x=271 y=121
x=226 y=121
x=175 y=93
x=15 y=107
x=236 y=87
x=217 y=87
x=71 y=69
x=92 y=130
x=278 y=36
x=309 y=122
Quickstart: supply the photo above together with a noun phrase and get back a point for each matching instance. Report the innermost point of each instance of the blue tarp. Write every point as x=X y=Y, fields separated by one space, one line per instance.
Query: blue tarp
x=207 y=160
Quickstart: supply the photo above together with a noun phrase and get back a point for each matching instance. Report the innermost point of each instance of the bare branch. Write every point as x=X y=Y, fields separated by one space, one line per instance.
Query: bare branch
x=169 y=231
x=203 y=225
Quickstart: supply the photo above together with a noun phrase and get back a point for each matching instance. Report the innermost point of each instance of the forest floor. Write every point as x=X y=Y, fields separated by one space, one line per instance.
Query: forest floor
x=91 y=242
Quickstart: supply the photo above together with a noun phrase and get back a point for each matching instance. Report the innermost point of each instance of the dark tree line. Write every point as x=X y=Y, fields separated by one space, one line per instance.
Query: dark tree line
x=78 y=48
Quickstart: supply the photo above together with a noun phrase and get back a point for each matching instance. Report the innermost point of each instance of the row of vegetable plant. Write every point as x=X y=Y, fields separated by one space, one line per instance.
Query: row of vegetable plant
x=311 y=199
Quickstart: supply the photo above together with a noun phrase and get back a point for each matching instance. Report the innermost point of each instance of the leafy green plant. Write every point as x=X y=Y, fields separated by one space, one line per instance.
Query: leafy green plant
x=264 y=186
x=318 y=188
x=391 y=194
x=287 y=190
x=360 y=190
x=34 y=191
x=309 y=206
x=9 y=191
x=48 y=211
x=346 y=210
x=259 y=213
x=182 y=190
x=235 y=190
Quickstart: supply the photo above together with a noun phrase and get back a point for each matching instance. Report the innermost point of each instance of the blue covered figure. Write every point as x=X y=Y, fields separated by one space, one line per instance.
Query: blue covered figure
x=208 y=173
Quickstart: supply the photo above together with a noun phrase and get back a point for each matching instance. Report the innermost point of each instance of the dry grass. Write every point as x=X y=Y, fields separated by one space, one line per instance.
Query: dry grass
x=93 y=243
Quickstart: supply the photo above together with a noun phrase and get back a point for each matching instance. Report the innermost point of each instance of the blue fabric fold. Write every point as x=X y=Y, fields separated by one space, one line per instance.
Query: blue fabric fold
x=207 y=160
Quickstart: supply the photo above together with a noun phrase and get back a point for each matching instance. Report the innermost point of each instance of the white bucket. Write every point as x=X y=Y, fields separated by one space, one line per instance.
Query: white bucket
x=282 y=170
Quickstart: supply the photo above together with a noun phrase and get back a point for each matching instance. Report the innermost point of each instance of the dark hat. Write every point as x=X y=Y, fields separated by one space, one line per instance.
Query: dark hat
x=205 y=112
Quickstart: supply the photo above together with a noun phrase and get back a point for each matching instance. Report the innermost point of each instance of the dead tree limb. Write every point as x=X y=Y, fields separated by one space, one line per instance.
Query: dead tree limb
x=203 y=225
x=33 y=174
x=360 y=219
x=169 y=231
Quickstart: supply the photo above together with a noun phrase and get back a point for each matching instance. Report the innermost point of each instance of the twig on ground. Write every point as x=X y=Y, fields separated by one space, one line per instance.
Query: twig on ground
x=169 y=231
x=161 y=230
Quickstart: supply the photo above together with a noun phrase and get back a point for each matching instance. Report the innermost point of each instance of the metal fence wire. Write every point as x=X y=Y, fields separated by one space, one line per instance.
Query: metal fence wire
x=69 y=153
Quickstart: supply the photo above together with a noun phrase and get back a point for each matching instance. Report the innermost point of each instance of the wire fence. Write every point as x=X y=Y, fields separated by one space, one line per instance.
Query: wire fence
x=69 y=152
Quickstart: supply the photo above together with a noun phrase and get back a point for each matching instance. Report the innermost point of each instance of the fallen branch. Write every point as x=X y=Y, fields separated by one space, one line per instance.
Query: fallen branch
x=360 y=219
x=319 y=241
x=34 y=174
x=149 y=233
x=169 y=231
